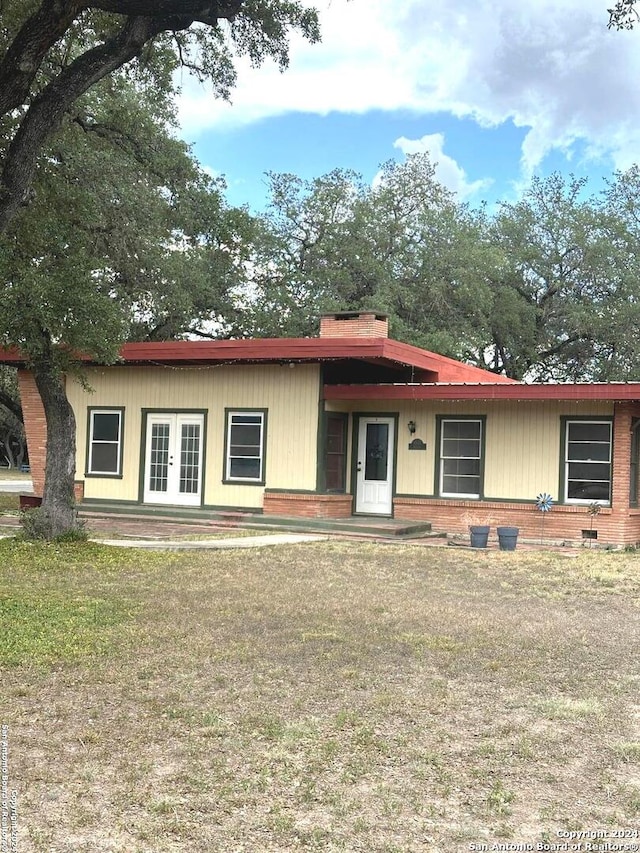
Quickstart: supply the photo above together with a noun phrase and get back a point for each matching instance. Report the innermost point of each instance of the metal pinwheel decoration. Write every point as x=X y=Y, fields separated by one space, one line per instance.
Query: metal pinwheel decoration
x=544 y=502
x=593 y=509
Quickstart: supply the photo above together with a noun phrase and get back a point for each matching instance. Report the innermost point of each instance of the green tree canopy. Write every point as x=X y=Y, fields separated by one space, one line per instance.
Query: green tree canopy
x=107 y=226
x=54 y=51
x=402 y=245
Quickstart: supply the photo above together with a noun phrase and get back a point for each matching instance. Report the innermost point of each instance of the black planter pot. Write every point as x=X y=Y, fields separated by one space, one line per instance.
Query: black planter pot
x=479 y=534
x=507 y=538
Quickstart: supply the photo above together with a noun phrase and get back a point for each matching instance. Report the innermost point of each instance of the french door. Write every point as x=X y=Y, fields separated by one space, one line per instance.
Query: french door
x=173 y=459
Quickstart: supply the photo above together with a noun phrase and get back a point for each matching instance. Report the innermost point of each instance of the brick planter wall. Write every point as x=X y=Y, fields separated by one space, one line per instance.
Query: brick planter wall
x=293 y=505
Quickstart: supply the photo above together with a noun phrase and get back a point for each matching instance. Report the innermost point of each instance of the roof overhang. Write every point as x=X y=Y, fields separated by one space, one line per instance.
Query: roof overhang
x=385 y=352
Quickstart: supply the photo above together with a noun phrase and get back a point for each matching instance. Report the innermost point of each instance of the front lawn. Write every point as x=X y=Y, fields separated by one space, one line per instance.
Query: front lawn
x=327 y=696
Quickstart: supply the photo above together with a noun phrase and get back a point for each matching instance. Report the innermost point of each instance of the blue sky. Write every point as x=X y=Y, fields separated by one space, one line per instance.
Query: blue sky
x=494 y=91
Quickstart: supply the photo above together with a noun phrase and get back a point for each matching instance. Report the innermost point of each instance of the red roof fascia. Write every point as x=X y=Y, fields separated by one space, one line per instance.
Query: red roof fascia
x=277 y=349
x=448 y=369
x=254 y=349
x=308 y=349
x=488 y=391
x=383 y=351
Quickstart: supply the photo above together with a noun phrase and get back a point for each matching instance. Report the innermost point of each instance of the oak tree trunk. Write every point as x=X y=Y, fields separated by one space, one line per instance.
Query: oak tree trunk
x=58 y=501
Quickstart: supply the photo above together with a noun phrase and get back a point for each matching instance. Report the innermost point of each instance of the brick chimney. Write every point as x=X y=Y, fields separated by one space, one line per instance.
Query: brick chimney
x=354 y=324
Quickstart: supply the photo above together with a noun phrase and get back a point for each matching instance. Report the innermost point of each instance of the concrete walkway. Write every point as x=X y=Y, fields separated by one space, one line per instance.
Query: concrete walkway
x=13 y=486
x=213 y=544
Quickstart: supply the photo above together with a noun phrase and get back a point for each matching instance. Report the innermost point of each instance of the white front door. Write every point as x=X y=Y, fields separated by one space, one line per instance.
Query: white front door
x=173 y=467
x=374 y=466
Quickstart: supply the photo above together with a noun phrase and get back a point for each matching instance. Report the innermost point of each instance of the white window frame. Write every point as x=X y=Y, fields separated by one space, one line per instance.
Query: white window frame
x=461 y=495
x=118 y=443
x=586 y=501
x=232 y=414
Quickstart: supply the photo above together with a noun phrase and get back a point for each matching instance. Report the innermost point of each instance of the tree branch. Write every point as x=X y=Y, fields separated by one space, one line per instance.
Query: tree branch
x=11 y=405
x=44 y=116
x=38 y=34
x=624 y=15
x=197 y=10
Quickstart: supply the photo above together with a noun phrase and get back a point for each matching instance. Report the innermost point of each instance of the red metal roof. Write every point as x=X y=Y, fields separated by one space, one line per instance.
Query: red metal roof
x=486 y=391
x=382 y=351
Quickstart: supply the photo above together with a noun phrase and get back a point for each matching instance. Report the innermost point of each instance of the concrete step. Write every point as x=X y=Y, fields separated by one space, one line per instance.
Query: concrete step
x=366 y=526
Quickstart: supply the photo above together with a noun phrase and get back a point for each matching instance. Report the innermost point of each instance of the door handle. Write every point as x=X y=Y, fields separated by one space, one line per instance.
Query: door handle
x=359 y=468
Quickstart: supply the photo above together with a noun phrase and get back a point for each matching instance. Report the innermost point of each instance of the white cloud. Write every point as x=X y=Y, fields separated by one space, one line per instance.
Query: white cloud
x=547 y=65
x=448 y=172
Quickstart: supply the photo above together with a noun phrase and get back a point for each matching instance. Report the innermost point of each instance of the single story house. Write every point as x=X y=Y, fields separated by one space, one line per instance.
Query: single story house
x=349 y=423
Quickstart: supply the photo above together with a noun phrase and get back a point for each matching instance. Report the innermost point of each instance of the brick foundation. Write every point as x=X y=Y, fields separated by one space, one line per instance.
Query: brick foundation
x=297 y=505
x=562 y=523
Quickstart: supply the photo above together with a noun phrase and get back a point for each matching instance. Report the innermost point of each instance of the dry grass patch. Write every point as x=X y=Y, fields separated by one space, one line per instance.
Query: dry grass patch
x=331 y=696
x=9 y=502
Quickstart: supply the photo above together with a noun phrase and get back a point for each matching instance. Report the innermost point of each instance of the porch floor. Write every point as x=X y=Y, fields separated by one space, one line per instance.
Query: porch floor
x=203 y=521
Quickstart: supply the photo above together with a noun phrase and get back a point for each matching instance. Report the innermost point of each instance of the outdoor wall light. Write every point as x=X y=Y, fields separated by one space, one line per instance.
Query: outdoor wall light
x=411 y=426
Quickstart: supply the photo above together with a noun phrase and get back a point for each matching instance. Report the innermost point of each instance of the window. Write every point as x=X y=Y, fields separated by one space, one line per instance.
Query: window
x=460 y=458
x=336 y=453
x=105 y=442
x=587 y=461
x=245 y=442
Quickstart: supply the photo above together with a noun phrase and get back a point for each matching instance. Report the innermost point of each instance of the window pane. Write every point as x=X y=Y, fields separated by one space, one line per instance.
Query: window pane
x=335 y=459
x=189 y=459
x=589 y=431
x=248 y=469
x=588 y=471
x=246 y=419
x=461 y=485
x=106 y=426
x=335 y=474
x=580 y=490
x=469 y=467
x=461 y=429
x=159 y=461
x=242 y=450
x=247 y=435
x=460 y=447
x=588 y=450
x=335 y=443
x=104 y=458
x=377 y=444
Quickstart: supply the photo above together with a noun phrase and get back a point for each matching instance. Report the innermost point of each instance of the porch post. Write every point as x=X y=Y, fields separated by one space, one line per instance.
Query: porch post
x=35 y=427
x=620 y=490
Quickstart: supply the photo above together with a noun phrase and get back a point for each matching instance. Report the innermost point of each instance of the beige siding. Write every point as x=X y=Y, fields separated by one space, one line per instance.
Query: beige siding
x=289 y=394
x=522 y=442
x=414 y=474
